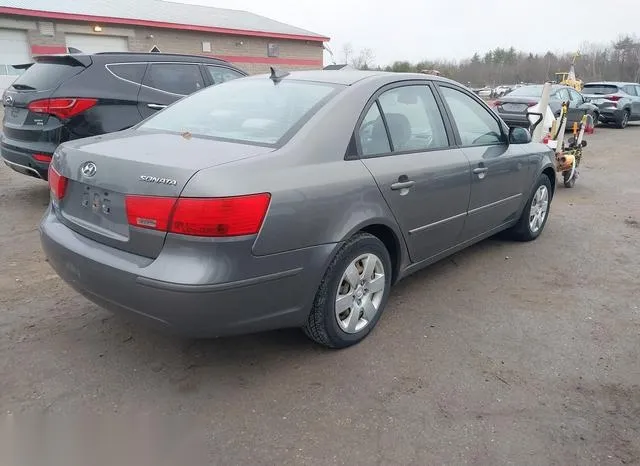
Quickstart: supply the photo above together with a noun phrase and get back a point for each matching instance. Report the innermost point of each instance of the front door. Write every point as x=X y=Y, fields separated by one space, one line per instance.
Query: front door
x=498 y=171
x=423 y=178
x=632 y=90
x=165 y=83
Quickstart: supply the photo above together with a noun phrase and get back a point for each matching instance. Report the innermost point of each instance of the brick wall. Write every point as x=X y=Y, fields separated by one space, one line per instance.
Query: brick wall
x=248 y=53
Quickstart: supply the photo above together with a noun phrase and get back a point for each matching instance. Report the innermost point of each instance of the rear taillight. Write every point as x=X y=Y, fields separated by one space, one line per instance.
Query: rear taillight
x=208 y=217
x=62 y=108
x=613 y=98
x=149 y=212
x=44 y=158
x=495 y=104
x=57 y=183
x=532 y=104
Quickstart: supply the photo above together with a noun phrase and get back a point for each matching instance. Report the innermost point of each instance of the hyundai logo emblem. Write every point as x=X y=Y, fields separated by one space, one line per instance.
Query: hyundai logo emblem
x=8 y=100
x=88 y=169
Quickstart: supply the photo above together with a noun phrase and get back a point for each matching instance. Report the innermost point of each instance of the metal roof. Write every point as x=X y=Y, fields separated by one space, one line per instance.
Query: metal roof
x=159 y=13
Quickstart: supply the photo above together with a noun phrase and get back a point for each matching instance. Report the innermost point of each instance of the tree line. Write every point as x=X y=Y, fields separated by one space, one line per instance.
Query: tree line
x=618 y=61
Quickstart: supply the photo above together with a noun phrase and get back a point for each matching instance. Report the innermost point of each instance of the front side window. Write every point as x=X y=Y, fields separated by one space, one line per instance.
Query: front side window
x=475 y=124
x=245 y=110
x=175 y=78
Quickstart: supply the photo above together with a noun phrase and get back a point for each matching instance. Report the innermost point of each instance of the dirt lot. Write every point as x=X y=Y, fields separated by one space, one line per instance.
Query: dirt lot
x=504 y=354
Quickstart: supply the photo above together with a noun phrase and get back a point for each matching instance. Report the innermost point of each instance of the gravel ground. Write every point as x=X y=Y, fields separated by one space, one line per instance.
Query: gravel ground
x=503 y=354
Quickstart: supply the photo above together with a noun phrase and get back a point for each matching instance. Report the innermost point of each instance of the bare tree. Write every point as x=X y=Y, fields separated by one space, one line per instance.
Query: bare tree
x=347 y=52
x=364 y=59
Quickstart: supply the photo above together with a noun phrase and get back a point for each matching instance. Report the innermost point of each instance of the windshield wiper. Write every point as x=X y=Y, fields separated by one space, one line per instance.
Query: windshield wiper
x=23 y=87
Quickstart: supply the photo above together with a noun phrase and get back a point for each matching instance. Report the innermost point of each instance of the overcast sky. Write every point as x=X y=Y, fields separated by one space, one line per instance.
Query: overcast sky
x=421 y=29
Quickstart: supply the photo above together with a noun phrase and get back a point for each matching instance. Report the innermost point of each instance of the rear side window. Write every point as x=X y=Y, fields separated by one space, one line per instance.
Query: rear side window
x=220 y=74
x=563 y=95
x=631 y=90
x=373 y=134
x=45 y=76
x=599 y=89
x=175 y=78
x=133 y=72
x=250 y=111
x=413 y=119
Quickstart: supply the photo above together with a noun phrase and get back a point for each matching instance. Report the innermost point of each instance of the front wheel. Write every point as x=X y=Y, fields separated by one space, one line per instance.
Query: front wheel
x=352 y=294
x=535 y=213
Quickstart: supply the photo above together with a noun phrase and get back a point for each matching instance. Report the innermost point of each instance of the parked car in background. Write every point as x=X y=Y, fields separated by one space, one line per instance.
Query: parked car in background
x=618 y=102
x=502 y=90
x=513 y=106
x=290 y=200
x=65 y=97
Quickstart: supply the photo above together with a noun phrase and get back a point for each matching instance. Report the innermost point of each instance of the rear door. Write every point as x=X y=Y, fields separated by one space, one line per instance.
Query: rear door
x=165 y=83
x=404 y=143
x=500 y=173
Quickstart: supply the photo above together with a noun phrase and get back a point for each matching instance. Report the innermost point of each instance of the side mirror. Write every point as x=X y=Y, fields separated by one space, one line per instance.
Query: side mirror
x=519 y=135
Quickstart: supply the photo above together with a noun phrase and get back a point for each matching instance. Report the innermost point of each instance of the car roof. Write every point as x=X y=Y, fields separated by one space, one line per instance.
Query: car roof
x=114 y=57
x=610 y=83
x=351 y=77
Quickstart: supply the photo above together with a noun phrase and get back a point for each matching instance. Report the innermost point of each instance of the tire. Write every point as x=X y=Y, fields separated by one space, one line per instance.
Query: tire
x=568 y=182
x=338 y=330
x=524 y=230
x=622 y=122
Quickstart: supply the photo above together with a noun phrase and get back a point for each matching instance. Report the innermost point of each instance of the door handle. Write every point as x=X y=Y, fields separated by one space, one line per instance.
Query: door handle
x=480 y=170
x=156 y=106
x=402 y=185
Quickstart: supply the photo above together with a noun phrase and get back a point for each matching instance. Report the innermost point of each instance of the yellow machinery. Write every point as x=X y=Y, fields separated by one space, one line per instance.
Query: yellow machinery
x=569 y=78
x=568 y=154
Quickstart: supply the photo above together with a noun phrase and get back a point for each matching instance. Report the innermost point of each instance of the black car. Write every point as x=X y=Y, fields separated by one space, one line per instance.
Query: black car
x=65 y=97
x=513 y=106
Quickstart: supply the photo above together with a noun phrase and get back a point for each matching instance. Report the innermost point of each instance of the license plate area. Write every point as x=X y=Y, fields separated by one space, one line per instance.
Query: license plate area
x=515 y=108
x=96 y=209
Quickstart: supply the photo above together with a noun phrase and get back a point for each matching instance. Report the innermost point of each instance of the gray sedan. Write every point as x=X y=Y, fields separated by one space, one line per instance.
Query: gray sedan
x=289 y=200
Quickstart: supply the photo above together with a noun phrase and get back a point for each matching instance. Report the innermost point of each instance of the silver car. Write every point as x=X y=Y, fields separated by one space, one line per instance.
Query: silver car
x=619 y=103
x=289 y=200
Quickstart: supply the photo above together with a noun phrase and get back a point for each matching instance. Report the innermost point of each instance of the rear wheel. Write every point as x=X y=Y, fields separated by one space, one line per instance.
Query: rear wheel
x=353 y=293
x=569 y=181
x=623 y=121
x=535 y=214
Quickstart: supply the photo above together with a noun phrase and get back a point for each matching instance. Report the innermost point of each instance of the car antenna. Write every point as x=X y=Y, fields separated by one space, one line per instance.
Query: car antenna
x=277 y=75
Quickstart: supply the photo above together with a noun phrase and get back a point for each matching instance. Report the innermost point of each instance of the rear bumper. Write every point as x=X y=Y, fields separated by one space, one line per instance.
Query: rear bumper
x=279 y=294
x=610 y=113
x=22 y=161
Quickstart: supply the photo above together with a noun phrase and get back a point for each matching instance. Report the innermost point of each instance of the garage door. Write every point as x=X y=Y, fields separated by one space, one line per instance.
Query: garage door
x=14 y=50
x=93 y=44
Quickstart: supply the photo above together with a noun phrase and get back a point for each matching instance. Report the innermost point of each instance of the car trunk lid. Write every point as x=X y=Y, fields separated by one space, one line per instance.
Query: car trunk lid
x=103 y=171
x=36 y=84
x=515 y=104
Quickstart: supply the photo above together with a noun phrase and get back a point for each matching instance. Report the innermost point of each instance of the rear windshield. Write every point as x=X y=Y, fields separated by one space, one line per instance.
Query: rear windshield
x=599 y=89
x=45 y=76
x=245 y=110
x=527 y=91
